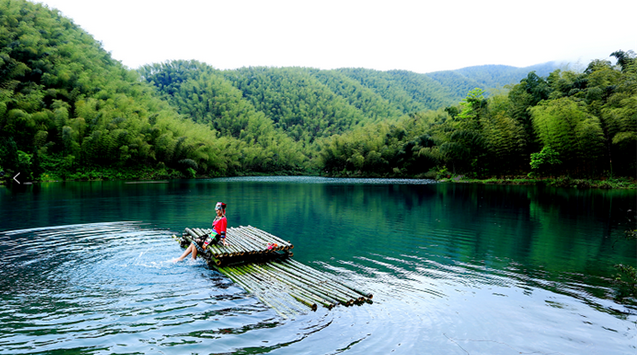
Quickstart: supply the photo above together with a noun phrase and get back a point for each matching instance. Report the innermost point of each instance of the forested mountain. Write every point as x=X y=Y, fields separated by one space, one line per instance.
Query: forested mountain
x=460 y=82
x=407 y=91
x=566 y=124
x=296 y=101
x=306 y=103
x=200 y=93
x=69 y=110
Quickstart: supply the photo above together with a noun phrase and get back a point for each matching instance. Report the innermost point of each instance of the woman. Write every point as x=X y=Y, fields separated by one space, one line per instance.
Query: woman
x=218 y=233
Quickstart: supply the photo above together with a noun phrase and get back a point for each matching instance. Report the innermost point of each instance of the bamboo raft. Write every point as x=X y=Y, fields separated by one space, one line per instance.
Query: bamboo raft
x=261 y=264
x=245 y=244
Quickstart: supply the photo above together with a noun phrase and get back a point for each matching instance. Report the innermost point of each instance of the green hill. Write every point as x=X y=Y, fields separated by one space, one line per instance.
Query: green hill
x=68 y=110
x=306 y=103
x=567 y=124
x=459 y=82
x=296 y=101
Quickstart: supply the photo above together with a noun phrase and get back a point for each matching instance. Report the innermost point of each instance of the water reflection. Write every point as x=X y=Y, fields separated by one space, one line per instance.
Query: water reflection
x=453 y=268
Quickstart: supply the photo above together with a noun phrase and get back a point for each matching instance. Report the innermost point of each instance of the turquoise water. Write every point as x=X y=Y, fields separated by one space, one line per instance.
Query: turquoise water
x=454 y=268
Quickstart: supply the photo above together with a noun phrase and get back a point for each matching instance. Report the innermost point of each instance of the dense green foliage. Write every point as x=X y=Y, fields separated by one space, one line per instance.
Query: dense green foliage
x=302 y=103
x=575 y=124
x=296 y=102
x=461 y=81
x=68 y=108
x=69 y=111
x=200 y=93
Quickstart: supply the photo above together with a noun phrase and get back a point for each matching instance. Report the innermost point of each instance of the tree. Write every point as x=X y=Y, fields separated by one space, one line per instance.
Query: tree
x=564 y=125
x=545 y=162
x=464 y=146
x=505 y=139
x=624 y=59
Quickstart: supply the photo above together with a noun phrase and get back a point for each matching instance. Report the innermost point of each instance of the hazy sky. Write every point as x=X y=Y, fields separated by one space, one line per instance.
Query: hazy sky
x=420 y=36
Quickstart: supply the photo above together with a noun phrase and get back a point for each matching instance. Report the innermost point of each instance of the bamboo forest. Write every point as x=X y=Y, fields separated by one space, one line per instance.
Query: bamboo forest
x=483 y=210
x=69 y=111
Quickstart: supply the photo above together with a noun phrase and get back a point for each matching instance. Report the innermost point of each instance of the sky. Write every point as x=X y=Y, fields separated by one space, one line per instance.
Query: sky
x=420 y=36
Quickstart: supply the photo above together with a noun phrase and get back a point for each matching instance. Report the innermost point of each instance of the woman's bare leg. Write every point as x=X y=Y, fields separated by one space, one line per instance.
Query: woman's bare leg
x=190 y=249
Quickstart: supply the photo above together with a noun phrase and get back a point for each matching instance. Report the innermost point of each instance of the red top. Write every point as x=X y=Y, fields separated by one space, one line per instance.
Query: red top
x=220 y=225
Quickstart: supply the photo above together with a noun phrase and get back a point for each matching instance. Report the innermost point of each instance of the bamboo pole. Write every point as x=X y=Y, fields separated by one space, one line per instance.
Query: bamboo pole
x=223 y=251
x=255 y=291
x=296 y=292
x=191 y=232
x=237 y=279
x=249 y=275
x=272 y=236
x=215 y=250
x=328 y=283
x=284 y=286
x=297 y=297
x=234 y=249
x=260 y=243
x=258 y=235
x=329 y=287
x=246 y=284
x=295 y=289
x=324 y=278
x=256 y=247
x=232 y=240
x=364 y=293
x=236 y=239
x=343 y=299
x=234 y=243
x=308 y=287
x=190 y=239
x=238 y=251
x=232 y=233
x=268 y=238
x=356 y=294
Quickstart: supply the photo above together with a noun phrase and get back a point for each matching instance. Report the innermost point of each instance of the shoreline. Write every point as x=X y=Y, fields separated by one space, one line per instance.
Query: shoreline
x=564 y=181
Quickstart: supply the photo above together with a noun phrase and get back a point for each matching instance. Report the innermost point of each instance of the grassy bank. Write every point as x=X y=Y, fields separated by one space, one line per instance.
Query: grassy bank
x=562 y=181
x=164 y=173
x=125 y=174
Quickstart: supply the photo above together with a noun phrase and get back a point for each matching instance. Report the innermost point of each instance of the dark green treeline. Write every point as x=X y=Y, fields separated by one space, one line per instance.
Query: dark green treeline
x=70 y=111
x=573 y=124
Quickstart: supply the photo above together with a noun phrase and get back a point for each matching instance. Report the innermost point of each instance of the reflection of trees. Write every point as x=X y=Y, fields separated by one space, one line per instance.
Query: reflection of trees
x=557 y=229
x=536 y=232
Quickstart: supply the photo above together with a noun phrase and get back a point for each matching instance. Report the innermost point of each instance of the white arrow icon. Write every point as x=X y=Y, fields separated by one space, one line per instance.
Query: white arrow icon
x=14 y=178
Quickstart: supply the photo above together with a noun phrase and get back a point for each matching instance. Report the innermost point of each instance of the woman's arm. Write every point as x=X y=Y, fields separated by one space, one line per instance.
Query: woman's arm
x=223 y=224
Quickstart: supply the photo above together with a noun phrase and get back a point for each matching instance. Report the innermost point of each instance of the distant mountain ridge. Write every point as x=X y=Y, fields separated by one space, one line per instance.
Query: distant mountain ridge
x=492 y=76
x=369 y=94
x=307 y=103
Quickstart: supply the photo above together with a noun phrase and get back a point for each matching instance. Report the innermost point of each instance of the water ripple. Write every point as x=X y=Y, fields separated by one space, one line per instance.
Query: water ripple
x=79 y=286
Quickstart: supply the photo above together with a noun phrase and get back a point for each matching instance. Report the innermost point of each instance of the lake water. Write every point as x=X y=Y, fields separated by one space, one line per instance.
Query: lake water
x=454 y=268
